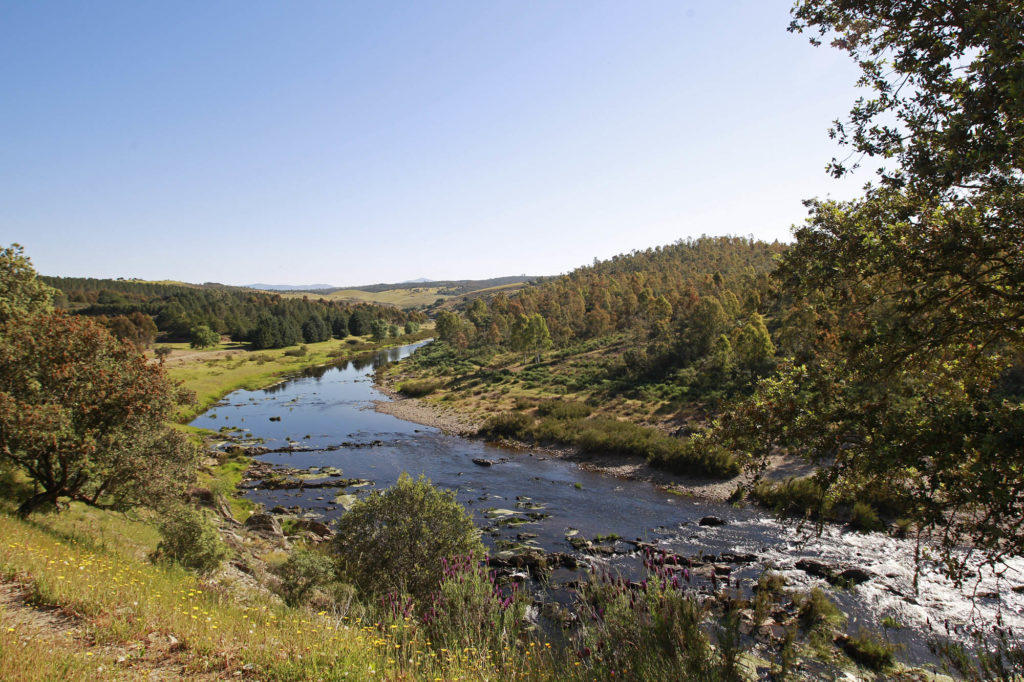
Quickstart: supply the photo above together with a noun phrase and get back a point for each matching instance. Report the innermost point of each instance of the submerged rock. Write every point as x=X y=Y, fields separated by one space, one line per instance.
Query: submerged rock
x=712 y=521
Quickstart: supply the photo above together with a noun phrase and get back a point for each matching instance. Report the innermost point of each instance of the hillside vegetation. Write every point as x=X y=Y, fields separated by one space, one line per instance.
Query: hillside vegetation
x=658 y=337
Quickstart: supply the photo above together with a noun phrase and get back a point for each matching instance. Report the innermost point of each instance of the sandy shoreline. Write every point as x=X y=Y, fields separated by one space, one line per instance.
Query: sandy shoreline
x=621 y=466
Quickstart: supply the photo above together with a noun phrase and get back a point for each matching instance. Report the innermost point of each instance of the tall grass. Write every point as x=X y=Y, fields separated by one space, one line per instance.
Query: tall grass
x=606 y=435
x=127 y=602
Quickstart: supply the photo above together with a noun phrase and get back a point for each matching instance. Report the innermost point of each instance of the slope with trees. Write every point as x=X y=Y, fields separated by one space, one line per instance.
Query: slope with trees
x=910 y=379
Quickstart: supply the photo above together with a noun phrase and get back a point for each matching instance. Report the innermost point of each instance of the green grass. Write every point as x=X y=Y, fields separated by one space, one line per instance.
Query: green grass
x=129 y=605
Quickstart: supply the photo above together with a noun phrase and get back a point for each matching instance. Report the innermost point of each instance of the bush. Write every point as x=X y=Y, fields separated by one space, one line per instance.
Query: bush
x=651 y=630
x=395 y=541
x=304 y=571
x=865 y=518
x=297 y=352
x=801 y=496
x=509 y=425
x=869 y=650
x=418 y=389
x=816 y=611
x=469 y=609
x=189 y=539
x=563 y=409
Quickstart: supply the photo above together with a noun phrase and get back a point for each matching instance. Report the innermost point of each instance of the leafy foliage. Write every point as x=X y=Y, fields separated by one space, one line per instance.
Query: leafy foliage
x=21 y=291
x=83 y=415
x=395 y=541
x=189 y=539
x=912 y=293
x=203 y=337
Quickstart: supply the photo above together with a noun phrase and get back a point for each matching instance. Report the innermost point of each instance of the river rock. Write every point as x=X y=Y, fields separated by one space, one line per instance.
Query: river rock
x=730 y=558
x=265 y=525
x=816 y=568
x=480 y=461
x=712 y=521
x=318 y=529
x=855 y=576
x=562 y=559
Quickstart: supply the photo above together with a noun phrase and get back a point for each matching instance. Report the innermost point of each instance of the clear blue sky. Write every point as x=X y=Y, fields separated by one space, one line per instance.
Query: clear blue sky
x=358 y=142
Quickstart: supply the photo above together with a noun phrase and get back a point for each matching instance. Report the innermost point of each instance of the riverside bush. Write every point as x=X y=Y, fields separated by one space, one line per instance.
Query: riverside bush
x=651 y=630
x=418 y=388
x=189 y=539
x=469 y=609
x=870 y=650
x=394 y=541
x=303 y=572
x=563 y=409
x=801 y=496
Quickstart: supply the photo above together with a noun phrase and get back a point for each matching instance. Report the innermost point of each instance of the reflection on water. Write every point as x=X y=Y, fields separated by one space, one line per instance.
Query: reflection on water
x=528 y=499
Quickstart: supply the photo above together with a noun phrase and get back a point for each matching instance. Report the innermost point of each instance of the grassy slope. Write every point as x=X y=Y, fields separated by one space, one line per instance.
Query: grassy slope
x=133 y=618
x=576 y=374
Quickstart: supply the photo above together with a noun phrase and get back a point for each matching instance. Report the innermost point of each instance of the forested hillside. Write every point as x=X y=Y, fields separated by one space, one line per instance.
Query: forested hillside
x=138 y=310
x=698 y=312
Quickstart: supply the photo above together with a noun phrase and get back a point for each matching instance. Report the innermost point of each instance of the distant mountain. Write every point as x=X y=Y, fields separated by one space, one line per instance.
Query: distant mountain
x=421 y=280
x=290 y=287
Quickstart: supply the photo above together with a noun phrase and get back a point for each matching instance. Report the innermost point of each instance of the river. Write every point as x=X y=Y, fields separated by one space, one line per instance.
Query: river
x=528 y=499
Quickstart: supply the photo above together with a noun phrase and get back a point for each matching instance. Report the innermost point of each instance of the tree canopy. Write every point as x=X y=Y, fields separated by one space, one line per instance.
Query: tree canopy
x=913 y=293
x=83 y=413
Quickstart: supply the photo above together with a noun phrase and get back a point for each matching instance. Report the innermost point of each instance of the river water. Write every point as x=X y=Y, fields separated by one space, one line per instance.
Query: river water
x=527 y=499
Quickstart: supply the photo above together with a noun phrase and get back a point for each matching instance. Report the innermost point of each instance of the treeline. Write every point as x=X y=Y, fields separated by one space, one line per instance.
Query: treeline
x=700 y=311
x=139 y=310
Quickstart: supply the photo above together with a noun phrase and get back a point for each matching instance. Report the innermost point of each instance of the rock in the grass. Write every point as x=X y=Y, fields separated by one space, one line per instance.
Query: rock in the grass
x=265 y=525
x=712 y=521
x=317 y=528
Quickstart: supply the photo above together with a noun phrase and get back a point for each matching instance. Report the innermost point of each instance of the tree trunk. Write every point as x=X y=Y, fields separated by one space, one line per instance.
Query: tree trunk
x=38 y=500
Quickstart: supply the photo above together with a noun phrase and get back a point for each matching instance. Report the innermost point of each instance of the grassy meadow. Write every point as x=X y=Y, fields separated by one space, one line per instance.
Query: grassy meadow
x=415 y=297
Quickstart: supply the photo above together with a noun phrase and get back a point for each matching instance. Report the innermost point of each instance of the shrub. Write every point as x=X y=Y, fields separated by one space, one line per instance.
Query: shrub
x=469 y=609
x=189 y=539
x=304 y=571
x=865 y=518
x=651 y=630
x=816 y=611
x=801 y=496
x=394 y=541
x=563 y=409
x=297 y=352
x=420 y=388
x=509 y=425
x=870 y=650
